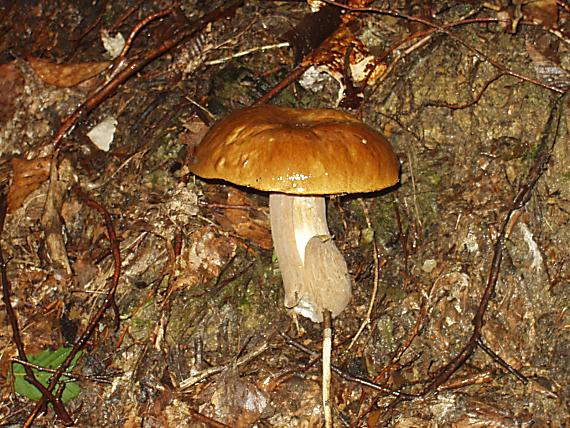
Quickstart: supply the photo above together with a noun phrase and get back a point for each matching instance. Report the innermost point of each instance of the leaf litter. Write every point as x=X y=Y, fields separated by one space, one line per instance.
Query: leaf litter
x=200 y=288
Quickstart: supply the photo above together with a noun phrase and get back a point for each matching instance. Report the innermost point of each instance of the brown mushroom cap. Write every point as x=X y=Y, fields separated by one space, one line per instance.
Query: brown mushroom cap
x=295 y=151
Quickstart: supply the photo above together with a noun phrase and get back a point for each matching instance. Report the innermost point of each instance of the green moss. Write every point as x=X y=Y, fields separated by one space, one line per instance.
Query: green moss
x=434 y=179
x=530 y=155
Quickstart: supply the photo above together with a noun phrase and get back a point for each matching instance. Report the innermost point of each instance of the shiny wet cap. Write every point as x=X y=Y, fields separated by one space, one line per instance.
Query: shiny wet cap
x=296 y=151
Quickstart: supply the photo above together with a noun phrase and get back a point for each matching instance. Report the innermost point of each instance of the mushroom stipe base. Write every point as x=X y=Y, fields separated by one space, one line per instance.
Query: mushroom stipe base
x=315 y=275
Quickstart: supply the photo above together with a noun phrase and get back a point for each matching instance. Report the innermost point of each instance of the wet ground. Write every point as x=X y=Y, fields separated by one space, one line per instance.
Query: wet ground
x=474 y=113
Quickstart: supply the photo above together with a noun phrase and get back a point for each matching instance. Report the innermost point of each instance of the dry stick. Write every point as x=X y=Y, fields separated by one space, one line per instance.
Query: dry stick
x=376 y=255
x=13 y=320
x=346 y=376
x=128 y=69
x=72 y=376
x=519 y=201
x=326 y=381
x=204 y=374
x=290 y=78
x=109 y=302
x=500 y=361
x=445 y=29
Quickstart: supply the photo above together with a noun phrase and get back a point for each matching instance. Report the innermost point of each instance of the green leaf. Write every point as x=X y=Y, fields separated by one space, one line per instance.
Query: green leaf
x=47 y=359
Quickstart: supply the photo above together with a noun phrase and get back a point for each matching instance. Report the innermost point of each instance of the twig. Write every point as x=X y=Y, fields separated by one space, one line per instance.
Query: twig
x=326 y=381
x=139 y=27
x=376 y=255
x=109 y=302
x=346 y=376
x=286 y=81
x=72 y=376
x=247 y=52
x=478 y=378
x=519 y=201
x=204 y=374
x=501 y=362
x=445 y=29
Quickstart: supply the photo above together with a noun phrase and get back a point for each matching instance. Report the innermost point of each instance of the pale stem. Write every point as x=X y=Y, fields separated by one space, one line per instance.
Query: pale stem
x=315 y=276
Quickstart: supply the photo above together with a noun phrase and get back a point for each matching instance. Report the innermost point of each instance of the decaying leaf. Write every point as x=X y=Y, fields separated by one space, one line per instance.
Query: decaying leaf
x=66 y=75
x=363 y=65
x=546 y=63
x=205 y=257
x=28 y=176
x=246 y=220
x=344 y=52
x=11 y=86
x=236 y=401
x=542 y=12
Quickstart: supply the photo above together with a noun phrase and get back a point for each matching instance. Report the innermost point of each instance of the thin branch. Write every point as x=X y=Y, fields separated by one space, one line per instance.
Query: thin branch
x=47 y=395
x=445 y=29
x=204 y=374
x=519 y=201
x=128 y=69
x=109 y=302
x=346 y=376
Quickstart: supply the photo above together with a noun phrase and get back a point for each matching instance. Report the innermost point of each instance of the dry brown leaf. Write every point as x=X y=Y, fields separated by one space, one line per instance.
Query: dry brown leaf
x=330 y=58
x=236 y=401
x=11 y=86
x=205 y=256
x=66 y=75
x=246 y=221
x=546 y=63
x=28 y=176
x=543 y=12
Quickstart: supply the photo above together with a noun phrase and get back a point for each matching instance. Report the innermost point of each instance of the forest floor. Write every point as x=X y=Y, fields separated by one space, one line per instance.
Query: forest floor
x=166 y=285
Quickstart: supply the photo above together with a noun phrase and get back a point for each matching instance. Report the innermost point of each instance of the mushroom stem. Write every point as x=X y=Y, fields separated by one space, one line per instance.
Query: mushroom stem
x=315 y=276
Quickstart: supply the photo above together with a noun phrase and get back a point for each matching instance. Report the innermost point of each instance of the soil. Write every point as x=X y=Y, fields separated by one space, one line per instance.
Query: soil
x=203 y=337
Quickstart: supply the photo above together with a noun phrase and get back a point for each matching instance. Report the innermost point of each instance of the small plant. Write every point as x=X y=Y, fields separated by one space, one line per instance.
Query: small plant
x=50 y=360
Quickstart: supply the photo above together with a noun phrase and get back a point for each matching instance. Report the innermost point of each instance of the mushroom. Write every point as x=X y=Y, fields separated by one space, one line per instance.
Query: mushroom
x=299 y=156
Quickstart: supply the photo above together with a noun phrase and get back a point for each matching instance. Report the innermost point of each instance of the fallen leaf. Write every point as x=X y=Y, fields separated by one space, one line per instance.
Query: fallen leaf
x=50 y=360
x=246 y=220
x=205 y=257
x=11 y=86
x=103 y=133
x=330 y=58
x=66 y=75
x=28 y=176
x=236 y=401
x=546 y=63
x=339 y=50
x=543 y=12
